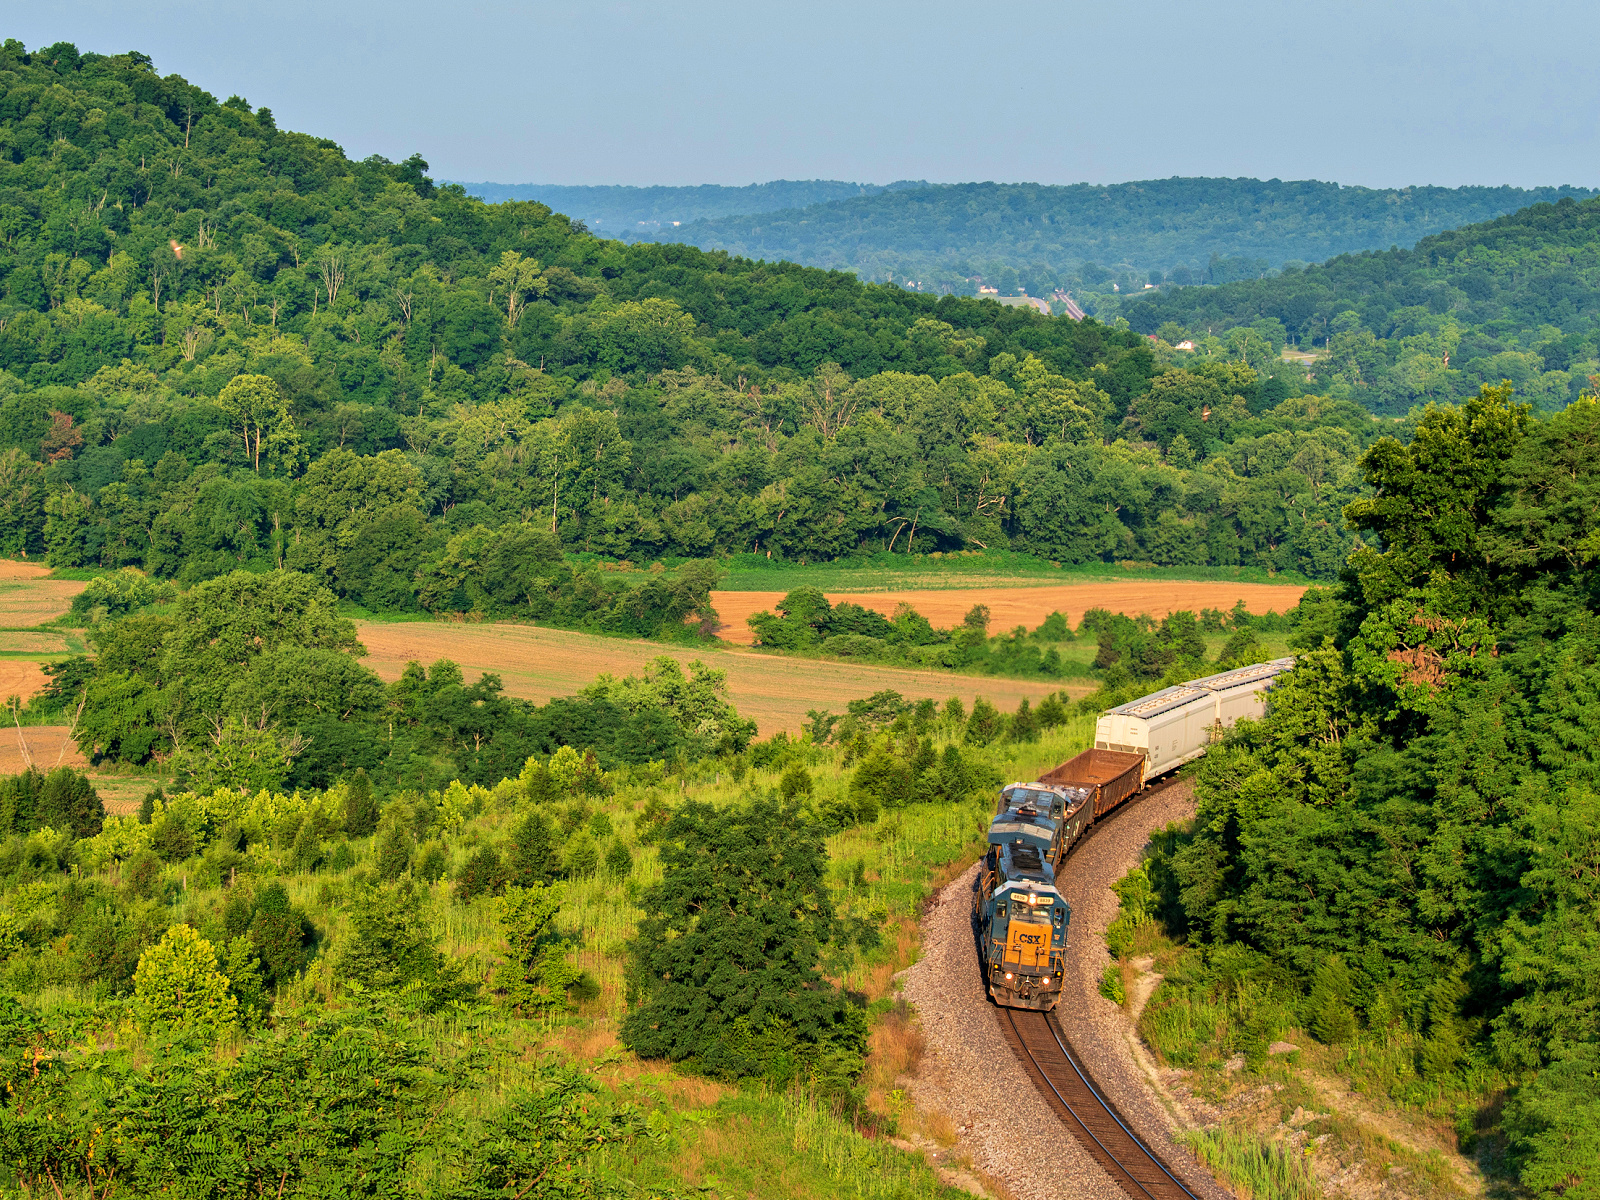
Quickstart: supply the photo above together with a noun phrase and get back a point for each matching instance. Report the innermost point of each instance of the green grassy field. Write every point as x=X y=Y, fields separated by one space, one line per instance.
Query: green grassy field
x=971 y=569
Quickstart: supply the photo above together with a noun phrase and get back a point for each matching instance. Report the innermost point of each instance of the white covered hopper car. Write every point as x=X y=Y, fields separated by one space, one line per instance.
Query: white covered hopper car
x=1170 y=727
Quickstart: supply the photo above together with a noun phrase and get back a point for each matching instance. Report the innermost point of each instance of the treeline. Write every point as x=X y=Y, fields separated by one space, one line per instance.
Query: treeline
x=224 y=345
x=1400 y=858
x=1515 y=298
x=252 y=681
x=951 y=237
x=1128 y=648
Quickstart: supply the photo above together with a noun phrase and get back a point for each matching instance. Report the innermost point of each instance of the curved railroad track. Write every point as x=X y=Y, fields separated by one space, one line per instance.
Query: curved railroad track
x=1047 y=1058
x=1067 y=1088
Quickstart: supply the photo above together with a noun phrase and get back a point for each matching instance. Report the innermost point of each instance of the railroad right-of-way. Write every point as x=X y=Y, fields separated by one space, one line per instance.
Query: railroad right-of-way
x=1007 y=1125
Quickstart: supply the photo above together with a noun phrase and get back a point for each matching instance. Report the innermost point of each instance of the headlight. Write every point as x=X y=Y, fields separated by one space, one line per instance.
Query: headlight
x=1046 y=981
x=1008 y=974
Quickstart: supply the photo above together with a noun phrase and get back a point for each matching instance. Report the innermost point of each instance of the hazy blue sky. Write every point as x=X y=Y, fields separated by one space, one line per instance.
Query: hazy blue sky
x=734 y=91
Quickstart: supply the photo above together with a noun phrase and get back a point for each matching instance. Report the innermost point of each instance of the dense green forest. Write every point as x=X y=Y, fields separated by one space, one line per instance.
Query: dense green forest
x=614 y=210
x=1087 y=237
x=1400 y=858
x=1515 y=298
x=224 y=345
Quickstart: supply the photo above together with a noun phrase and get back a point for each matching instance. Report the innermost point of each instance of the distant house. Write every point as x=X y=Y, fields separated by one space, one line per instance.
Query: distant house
x=985 y=290
x=1186 y=344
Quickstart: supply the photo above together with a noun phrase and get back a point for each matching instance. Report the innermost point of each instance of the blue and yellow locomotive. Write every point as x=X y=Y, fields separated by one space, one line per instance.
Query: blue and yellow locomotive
x=1022 y=917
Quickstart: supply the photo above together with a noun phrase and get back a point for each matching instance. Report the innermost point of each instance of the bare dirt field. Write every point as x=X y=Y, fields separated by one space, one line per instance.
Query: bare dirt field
x=538 y=664
x=1013 y=606
x=19 y=677
x=44 y=744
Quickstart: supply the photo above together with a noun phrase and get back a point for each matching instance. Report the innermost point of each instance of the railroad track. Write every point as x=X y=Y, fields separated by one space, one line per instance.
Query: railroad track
x=1046 y=1056
x=1067 y=1088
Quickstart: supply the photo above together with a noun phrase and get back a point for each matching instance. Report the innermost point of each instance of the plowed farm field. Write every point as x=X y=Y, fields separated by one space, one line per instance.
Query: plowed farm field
x=538 y=664
x=1025 y=605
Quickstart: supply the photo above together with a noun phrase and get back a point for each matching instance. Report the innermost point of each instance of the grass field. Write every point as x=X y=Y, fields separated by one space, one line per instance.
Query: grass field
x=538 y=664
x=1028 y=605
x=969 y=569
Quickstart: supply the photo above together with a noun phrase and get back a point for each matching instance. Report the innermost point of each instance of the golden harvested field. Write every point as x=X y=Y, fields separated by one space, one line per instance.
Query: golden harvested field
x=27 y=598
x=13 y=569
x=20 y=677
x=1028 y=605
x=44 y=743
x=538 y=664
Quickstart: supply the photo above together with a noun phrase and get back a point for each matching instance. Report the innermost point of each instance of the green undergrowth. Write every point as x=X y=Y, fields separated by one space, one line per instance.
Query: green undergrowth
x=1253 y=1169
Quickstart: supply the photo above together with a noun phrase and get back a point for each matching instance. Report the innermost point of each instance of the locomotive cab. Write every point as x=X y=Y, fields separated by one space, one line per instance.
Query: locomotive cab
x=1024 y=920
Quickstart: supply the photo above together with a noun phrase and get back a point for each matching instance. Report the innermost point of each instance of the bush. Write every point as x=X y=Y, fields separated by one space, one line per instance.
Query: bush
x=392 y=855
x=432 y=862
x=583 y=856
x=177 y=986
x=532 y=858
x=619 y=860
x=360 y=806
x=726 y=966
x=795 y=781
x=389 y=948
x=481 y=874
x=537 y=974
x=280 y=934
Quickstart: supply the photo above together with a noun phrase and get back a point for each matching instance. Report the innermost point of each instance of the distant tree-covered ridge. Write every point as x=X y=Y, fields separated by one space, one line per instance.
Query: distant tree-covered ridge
x=614 y=210
x=224 y=345
x=1087 y=236
x=1514 y=298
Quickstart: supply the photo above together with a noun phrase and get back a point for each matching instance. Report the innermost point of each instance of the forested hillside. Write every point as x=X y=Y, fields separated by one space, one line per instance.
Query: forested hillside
x=630 y=213
x=1516 y=298
x=226 y=345
x=1088 y=236
x=1401 y=859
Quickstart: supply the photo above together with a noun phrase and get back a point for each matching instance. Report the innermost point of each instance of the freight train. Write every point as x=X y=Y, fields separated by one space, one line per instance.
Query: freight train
x=1021 y=916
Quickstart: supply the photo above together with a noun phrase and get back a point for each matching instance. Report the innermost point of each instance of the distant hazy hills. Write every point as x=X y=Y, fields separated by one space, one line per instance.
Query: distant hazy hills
x=638 y=212
x=1034 y=236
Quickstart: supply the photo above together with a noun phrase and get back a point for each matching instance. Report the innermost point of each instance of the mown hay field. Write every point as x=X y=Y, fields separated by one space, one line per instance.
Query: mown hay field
x=48 y=745
x=538 y=664
x=26 y=601
x=1028 y=605
x=20 y=677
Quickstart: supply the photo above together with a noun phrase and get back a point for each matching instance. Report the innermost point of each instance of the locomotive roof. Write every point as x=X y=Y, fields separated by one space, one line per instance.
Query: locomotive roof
x=1165 y=700
x=1004 y=830
x=1022 y=863
x=1240 y=676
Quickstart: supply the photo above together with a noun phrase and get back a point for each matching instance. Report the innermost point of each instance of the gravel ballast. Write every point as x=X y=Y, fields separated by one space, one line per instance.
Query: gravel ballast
x=970 y=1073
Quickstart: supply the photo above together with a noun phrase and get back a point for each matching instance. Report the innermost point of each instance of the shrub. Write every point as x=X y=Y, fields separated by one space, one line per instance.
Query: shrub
x=619 y=860
x=482 y=873
x=392 y=855
x=532 y=858
x=537 y=974
x=390 y=948
x=726 y=966
x=796 y=781
x=583 y=856
x=360 y=806
x=280 y=933
x=177 y=986
x=432 y=862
